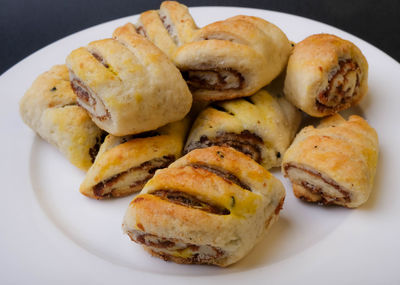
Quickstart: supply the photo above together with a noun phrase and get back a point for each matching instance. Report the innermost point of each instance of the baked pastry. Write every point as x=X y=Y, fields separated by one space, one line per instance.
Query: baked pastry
x=167 y=28
x=125 y=164
x=261 y=126
x=334 y=163
x=233 y=58
x=49 y=107
x=127 y=84
x=209 y=207
x=325 y=75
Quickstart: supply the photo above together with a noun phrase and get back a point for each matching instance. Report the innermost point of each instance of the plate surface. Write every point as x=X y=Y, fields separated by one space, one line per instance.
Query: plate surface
x=51 y=233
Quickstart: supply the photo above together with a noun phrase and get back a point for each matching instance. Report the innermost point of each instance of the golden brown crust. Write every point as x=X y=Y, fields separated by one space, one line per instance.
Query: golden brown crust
x=326 y=74
x=169 y=27
x=152 y=27
x=233 y=58
x=214 y=217
x=179 y=16
x=261 y=126
x=335 y=162
x=223 y=60
x=50 y=108
x=125 y=164
x=127 y=84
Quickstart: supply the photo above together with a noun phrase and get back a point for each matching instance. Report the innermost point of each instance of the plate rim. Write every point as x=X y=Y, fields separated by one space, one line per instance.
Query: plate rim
x=11 y=69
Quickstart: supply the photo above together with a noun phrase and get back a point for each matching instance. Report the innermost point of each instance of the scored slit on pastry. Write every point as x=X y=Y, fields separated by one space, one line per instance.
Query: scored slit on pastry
x=222 y=173
x=200 y=210
x=185 y=199
x=326 y=74
x=334 y=163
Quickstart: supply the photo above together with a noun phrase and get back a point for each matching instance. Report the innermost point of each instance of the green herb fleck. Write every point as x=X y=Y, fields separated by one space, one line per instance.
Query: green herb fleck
x=233 y=201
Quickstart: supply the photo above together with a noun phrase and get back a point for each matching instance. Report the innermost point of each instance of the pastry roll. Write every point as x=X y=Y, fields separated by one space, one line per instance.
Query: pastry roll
x=50 y=108
x=325 y=75
x=209 y=207
x=261 y=126
x=334 y=163
x=124 y=164
x=127 y=84
x=167 y=28
x=233 y=58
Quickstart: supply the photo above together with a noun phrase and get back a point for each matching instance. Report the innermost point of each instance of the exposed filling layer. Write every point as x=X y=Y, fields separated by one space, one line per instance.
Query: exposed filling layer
x=95 y=148
x=231 y=178
x=322 y=188
x=343 y=84
x=176 y=250
x=185 y=199
x=169 y=26
x=115 y=141
x=143 y=135
x=280 y=206
x=89 y=101
x=214 y=79
x=141 y=31
x=245 y=142
x=133 y=178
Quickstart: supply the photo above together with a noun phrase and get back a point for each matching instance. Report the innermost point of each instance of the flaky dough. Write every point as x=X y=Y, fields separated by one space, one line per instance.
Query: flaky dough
x=209 y=207
x=334 y=163
x=127 y=84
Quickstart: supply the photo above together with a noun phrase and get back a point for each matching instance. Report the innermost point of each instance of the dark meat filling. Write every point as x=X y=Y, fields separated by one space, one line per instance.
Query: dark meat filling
x=342 y=86
x=143 y=135
x=227 y=176
x=153 y=240
x=141 y=31
x=191 y=201
x=280 y=206
x=100 y=59
x=171 y=249
x=214 y=79
x=87 y=101
x=150 y=166
x=325 y=198
x=146 y=135
x=95 y=148
x=197 y=258
x=169 y=29
x=245 y=142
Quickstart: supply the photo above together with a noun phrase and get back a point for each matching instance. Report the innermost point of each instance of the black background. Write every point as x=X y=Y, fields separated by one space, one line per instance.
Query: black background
x=28 y=25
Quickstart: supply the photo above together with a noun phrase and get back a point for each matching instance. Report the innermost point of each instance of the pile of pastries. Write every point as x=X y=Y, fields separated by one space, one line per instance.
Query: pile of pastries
x=193 y=118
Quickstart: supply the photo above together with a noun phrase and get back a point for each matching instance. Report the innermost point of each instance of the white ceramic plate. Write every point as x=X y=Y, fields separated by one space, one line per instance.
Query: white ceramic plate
x=51 y=234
